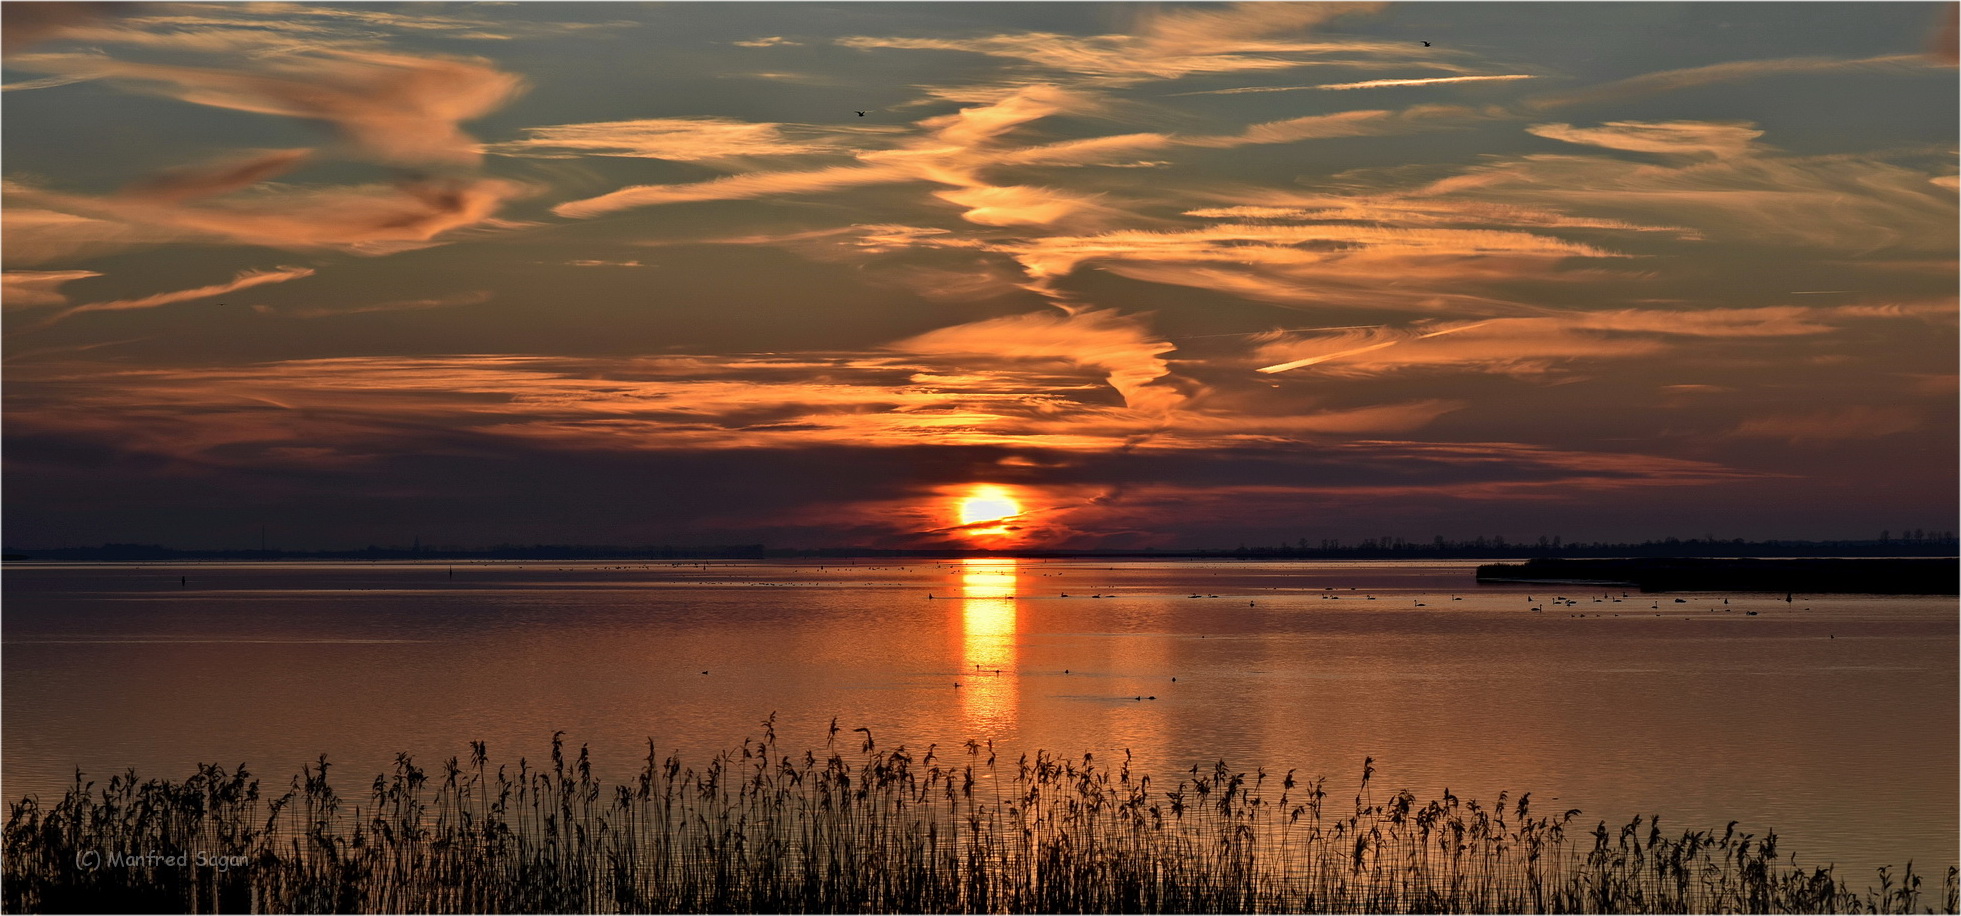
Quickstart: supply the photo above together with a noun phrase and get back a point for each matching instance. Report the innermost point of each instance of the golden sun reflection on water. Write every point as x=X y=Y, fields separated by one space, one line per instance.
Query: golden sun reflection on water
x=988 y=698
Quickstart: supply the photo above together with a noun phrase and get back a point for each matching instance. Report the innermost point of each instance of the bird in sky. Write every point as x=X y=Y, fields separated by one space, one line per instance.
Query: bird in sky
x=1425 y=44
x=860 y=113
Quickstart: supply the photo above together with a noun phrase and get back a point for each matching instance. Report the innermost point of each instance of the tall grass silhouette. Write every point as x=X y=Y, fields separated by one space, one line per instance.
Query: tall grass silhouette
x=759 y=829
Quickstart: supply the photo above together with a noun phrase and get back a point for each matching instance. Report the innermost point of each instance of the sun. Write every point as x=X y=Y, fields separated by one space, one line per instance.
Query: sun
x=987 y=503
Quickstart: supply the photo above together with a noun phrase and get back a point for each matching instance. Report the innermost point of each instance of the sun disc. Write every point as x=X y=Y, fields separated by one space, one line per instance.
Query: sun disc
x=986 y=504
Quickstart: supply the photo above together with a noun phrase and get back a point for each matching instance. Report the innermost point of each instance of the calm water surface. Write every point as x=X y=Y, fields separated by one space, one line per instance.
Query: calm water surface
x=1832 y=719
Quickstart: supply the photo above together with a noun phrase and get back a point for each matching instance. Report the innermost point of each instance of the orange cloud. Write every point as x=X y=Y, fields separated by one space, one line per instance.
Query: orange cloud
x=1315 y=243
x=36 y=235
x=36 y=288
x=393 y=107
x=734 y=187
x=1718 y=138
x=1538 y=345
x=1671 y=80
x=1830 y=425
x=28 y=23
x=1424 y=81
x=207 y=181
x=475 y=297
x=679 y=139
x=1852 y=203
x=245 y=279
x=1392 y=209
x=368 y=219
x=953 y=153
x=1168 y=44
x=1100 y=339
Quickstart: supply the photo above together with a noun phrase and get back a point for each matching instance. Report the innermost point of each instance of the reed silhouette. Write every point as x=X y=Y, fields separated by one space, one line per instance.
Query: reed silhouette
x=759 y=829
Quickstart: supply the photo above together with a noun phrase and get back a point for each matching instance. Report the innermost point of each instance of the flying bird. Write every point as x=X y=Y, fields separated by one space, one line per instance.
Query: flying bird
x=1426 y=44
x=860 y=113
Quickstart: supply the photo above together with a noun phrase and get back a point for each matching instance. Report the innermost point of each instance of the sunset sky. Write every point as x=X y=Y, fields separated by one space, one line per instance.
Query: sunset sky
x=1152 y=275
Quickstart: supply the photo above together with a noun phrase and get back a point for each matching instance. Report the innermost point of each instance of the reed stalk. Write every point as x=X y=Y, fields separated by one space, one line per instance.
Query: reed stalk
x=873 y=830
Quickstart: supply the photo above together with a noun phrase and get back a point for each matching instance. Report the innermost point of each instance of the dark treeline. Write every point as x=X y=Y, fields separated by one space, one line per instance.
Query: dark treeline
x=1919 y=544
x=1912 y=544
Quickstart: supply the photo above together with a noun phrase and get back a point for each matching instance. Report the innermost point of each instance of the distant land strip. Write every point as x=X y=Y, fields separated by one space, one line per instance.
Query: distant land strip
x=1814 y=576
x=1371 y=549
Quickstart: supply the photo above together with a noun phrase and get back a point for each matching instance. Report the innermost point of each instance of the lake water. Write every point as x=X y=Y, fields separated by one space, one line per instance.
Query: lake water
x=1832 y=719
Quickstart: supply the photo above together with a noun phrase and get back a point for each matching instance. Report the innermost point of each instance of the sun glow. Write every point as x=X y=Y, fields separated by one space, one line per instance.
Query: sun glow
x=987 y=503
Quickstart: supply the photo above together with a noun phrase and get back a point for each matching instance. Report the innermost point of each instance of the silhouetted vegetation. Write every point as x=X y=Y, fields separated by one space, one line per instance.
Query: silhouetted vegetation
x=876 y=830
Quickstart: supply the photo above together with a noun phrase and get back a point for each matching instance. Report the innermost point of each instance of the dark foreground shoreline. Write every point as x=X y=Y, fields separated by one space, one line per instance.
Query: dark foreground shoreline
x=1815 y=576
x=766 y=829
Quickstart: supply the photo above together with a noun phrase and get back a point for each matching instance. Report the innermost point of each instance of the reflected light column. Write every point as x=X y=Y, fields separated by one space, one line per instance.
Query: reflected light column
x=988 y=700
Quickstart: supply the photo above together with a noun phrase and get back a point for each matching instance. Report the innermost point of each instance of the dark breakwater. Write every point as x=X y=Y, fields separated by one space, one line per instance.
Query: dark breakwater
x=1870 y=576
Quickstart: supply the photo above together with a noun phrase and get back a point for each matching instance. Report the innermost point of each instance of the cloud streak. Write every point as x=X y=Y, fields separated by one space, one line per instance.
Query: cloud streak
x=1729 y=71
x=680 y=139
x=1734 y=138
x=394 y=107
x=21 y=289
x=370 y=219
x=245 y=279
x=1425 y=81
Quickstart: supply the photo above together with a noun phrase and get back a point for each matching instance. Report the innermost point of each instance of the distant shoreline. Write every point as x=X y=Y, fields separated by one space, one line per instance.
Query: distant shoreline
x=1366 y=550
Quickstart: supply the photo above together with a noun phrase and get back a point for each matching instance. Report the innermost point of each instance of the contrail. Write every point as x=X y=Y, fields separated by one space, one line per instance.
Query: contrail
x=1296 y=364
x=1366 y=84
x=1377 y=84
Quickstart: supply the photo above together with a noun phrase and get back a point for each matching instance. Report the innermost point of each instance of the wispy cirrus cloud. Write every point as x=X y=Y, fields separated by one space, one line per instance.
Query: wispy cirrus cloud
x=473 y=297
x=682 y=139
x=1539 y=345
x=734 y=187
x=1717 y=138
x=394 y=107
x=36 y=288
x=1361 y=123
x=952 y=152
x=957 y=150
x=1847 y=423
x=265 y=27
x=245 y=279
x=218 y=178
x=1035 y=400
x=1391 y=209
x=46 y=82
x=1099 y=339
x=25 y=24
x=1166 y=44
x=1859 y=203
x=1728 y=71
x=360 y=219
x=1320 y=263
x=1372 y=84
x=37 y=235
